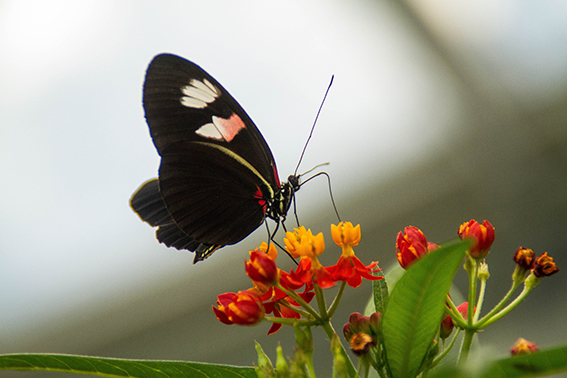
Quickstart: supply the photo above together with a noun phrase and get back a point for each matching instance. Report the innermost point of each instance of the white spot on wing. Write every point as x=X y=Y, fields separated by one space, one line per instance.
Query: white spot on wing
x=209 y=131
x=198 y=94
x=222 y=129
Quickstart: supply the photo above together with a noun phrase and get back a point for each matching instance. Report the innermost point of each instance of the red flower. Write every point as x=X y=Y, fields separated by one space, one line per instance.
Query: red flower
x=242 y=308
x=482 y=236
x=310 y=269
x=411 y=245
x=302 y=243
x=261 y=267
x=278 y=303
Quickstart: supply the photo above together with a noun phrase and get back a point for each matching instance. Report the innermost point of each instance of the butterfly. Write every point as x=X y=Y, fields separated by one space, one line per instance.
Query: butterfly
x=217 y=178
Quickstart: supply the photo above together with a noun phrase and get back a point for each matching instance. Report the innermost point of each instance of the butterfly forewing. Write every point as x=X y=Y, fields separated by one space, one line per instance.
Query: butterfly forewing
x=181 y=99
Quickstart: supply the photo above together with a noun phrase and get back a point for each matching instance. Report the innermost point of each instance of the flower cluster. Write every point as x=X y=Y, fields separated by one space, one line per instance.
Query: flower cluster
x=362 y=332
x=285 y=295
x=411 y=245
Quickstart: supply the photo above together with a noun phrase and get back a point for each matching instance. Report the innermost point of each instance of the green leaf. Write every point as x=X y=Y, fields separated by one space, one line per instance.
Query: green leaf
x=416 y=308
x=113 y=367
x=545 y=362
x=380 y=289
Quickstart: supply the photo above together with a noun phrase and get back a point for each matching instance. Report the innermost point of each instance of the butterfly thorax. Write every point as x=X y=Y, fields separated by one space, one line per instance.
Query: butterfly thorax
x=279 y=206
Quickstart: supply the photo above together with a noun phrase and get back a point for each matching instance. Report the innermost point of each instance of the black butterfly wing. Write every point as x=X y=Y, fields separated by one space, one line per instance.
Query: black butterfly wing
x=148 y=203
x=214 y=196
x=217 y=172
x=184 y=103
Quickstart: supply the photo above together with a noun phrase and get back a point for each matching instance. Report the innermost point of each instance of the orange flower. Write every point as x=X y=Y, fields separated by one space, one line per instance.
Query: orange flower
x=524 y=257
x=360 y=343
x=262 y=266
x=242 y=308
x=302 y=243
x=544 y=266
x=482 y=235
x=345 y=234
x=411 y=245
x=349 y=268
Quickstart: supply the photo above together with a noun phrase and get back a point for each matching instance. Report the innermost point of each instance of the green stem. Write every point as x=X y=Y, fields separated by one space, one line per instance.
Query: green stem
x=472 y=292
x=508 y=308
x=321 y=301
x=480 y=300
x=455 y=314
x=499 y=306
x=446 y=351
x=466 y=346
x=337 y=300
x=328 y=327
x=292 y=321
x=309 y=365
x=469 y=330
x=303 y=304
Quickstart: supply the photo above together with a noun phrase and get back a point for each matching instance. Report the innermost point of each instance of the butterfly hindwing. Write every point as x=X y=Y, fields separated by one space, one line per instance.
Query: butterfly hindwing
x=214 y=197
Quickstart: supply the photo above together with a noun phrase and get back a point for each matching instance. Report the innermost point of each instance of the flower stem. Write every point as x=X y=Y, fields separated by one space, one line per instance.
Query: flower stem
x=328 y=327
x=508 y=308
x=321 y=301
x=337 y=300
x=300 y=300
x=472 y=292
x=466 y=346
x=446 y=350
x=480 y=299
x=481 y=323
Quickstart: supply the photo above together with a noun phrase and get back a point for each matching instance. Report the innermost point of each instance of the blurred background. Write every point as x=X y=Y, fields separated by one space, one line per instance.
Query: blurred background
x=441 y=111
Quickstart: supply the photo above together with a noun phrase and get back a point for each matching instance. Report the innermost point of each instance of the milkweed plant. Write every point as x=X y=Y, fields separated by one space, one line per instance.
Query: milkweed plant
x=407 y=330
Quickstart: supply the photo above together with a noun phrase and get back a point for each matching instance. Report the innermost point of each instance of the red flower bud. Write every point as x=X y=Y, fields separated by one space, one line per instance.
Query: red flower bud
x=261 y=268
x=411 y=245
x=464 y=311
x=481 y=234
x=446 y=327
x=241 y=308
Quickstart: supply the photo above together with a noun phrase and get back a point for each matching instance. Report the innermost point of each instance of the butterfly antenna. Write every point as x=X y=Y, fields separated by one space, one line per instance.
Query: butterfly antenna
x=330 y=189
x=313 y=127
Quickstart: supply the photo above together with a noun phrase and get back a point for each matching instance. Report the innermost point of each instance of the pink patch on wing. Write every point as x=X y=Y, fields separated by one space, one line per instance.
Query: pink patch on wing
x=229 y=128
